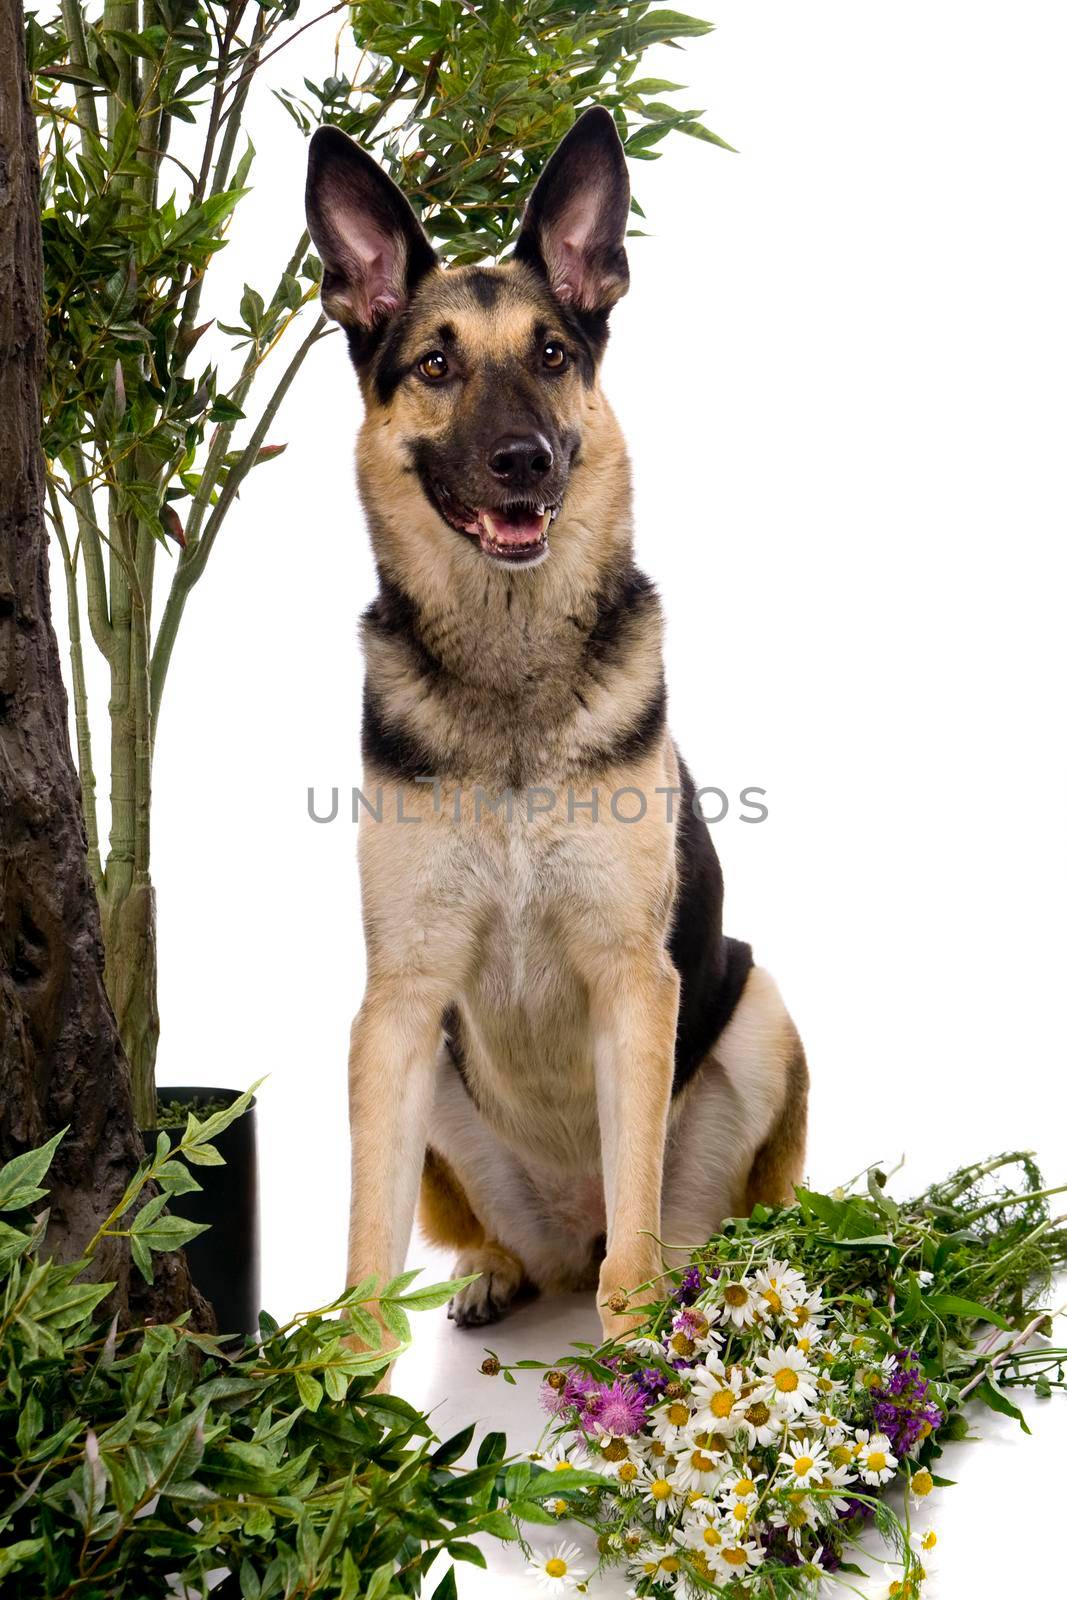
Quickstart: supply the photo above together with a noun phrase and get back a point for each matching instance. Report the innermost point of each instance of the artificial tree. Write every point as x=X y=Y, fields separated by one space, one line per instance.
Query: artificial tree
x=61 y=1062
x=151 y=424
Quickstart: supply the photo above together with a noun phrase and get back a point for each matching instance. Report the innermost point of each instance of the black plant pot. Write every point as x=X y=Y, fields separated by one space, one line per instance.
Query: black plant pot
x=224 y=1262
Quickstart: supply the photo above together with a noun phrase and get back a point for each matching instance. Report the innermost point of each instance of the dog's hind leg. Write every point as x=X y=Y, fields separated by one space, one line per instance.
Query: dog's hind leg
x=447 y=1220
x=737 y=1132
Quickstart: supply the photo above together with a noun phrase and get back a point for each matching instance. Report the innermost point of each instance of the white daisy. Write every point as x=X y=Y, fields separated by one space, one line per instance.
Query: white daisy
x=802 y=1462
x=789 y=1381
x=807 y=1311
x=660 y=1493
x=829 y=1502
x=698 y=1468
x=796 y=1514
x=670 y=1421
x=758 y=1424
x=656 y=1561
x=921 y=1484
x=555 y=1569
x=740 y=1556
x=740 y=1302
x=644 y=1347
x=875 y=1460
x=779 y=1286
x=627 y=1475
x=716 y=1397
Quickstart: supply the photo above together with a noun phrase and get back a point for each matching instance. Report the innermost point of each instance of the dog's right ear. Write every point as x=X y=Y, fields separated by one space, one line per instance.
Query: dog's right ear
x=371 y=243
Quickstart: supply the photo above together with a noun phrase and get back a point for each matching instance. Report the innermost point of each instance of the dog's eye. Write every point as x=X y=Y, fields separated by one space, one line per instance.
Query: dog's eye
x=554 y=356
x=433 y=366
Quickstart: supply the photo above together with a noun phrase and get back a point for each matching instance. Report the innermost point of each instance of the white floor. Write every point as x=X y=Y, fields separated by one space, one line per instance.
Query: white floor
x=998 y=1530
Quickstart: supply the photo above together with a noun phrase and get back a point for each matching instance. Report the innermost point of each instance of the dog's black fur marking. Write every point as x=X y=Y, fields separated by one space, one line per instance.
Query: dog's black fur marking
x=638 y=739
x=713 y=967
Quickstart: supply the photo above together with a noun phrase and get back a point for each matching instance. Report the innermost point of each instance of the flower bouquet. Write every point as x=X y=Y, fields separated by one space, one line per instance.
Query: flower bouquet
x=807 y=1360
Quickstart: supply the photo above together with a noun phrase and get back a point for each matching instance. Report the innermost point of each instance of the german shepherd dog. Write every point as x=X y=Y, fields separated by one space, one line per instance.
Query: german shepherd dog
x=556 y=1038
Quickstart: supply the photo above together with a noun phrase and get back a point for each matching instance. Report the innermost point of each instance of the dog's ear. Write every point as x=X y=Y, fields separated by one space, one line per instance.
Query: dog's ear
x=574 y=228
x=371 y=243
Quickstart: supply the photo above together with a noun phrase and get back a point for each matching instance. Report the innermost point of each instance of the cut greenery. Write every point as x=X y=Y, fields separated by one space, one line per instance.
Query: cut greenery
x=809 y=1359
x=137 y=1462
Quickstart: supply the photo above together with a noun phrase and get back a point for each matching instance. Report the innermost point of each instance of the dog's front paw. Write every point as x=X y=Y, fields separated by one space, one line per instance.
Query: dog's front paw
x=489 y=1297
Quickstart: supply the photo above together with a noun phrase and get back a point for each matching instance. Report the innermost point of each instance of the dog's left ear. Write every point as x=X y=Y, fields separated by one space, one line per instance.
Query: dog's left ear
x=574 y=228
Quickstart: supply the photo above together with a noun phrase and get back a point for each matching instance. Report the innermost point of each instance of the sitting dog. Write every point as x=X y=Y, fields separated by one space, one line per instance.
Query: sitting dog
x=556 y=1039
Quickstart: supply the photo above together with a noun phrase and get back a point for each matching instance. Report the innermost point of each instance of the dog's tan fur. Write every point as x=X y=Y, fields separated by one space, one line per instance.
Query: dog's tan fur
x=558 y=1155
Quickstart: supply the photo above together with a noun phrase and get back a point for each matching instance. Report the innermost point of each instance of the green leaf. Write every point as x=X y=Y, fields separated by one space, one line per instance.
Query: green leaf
x=20 y=1177
x=953 y=1305
x=380 y=1580
x=996 y=1400
x=310 y=1390
x=446 y=1589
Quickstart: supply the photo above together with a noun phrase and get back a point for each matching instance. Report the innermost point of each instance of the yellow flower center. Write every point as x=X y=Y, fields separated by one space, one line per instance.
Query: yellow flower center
x=561 y=1508
x=722 y=1403
x=758 y=1414
x=627 y=1472
x=568 y=1466
x=734 y=1295
x=700 y=1462
x=875 y=1461
x=773 y=1299
x=803 y=1465
x=556 y=1568
x=841 y=1454
x=922 y=1483
x=801 y=1316
x=712 y=1537
x=657 y=1448
x=744 y=1487
x=670 y=1564
x=660 y=1489
x=614 y=1450
x=682 y=1345
x=740 y=1512
x=804 y=1344
x=786 y=1380
x=825 y=1384
x=678 y=1415
x=734 y=1557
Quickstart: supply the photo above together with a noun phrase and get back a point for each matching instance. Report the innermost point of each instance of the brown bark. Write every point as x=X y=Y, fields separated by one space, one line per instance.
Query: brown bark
x=61 y=1063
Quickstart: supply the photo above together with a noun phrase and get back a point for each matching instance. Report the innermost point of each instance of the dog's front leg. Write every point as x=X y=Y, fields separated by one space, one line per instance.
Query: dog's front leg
x=391 y=1070
x=634 y=999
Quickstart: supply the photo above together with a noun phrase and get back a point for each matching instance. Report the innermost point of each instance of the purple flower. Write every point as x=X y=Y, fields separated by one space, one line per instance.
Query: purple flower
x=652 y=1382
x=571 y=1396
x=621 y=1409
x=902 y=1410
x=689 y=1287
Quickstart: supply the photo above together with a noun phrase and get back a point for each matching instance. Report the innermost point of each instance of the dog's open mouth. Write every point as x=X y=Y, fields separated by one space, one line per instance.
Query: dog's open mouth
x=516 y=534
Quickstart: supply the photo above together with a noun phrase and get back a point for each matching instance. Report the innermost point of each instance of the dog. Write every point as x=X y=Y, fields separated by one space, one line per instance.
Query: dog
x=557 y=1042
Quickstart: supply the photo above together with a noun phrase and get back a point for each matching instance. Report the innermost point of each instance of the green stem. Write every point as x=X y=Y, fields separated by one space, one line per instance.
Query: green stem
x=74 y=23
x=81 y=699
x=194 y=556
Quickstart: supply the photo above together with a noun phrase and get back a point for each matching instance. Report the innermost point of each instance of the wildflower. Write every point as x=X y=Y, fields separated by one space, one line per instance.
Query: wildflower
x=739 y=1303
x=555 y=1569
x=627 y=1475
x=658 y=1562
x=660 y=1493
x=921 y=1484
x=692 y=1326
x=829 y=1503
x=670 y=1422
x=621 y=1408
x=802 y=1462
x=875 y=1460
x=698 y=1469
x=689 y=1287
x=790 y=1382
x=717 y=1396
x=758 y=1424
x=779 y=1286
x=807 y=1312
x=741 y=1556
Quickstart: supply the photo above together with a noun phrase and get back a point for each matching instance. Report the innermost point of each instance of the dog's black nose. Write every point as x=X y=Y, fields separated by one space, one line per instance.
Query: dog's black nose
x=521 y=460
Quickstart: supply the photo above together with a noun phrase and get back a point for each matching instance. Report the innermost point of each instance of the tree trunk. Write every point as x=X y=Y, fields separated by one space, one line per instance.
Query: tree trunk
x=61 y=1063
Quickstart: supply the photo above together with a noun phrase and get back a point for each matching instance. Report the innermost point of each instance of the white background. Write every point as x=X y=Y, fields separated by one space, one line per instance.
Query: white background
x=840 y=369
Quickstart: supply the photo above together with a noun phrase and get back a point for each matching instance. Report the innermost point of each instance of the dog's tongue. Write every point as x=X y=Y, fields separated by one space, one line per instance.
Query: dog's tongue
x=513 y=530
